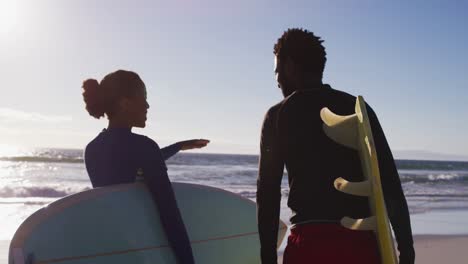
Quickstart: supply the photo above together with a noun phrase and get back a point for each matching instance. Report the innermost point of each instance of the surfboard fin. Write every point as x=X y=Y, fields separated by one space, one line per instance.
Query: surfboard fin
x=355 y=188
x=359 y=224
x=341 y=129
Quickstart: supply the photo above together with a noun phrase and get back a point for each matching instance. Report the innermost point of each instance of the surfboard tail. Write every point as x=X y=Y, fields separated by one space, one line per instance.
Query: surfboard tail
x=354 y=131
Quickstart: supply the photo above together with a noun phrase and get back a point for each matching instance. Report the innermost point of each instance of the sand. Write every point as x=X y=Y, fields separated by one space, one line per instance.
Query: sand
x=441 y=249
x=4 y=251
x=430 y=249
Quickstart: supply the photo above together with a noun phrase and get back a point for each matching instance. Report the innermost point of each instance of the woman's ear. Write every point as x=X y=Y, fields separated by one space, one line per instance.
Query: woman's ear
x=124 y=105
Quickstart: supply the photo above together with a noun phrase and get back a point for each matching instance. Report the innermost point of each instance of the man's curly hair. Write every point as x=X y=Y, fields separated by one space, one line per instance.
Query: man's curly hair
x=304 y=48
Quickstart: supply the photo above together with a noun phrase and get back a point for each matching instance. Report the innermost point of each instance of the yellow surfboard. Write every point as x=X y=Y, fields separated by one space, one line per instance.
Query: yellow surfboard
x=354 y=131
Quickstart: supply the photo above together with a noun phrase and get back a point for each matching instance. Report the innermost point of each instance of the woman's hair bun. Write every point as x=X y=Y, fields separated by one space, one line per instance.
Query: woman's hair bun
x=93 y=98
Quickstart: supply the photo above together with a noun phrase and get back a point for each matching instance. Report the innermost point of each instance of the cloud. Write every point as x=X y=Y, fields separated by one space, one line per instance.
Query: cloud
x=8 y=114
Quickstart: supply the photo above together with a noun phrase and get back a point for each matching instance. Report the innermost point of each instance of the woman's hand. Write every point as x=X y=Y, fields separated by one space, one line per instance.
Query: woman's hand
x=193 y=144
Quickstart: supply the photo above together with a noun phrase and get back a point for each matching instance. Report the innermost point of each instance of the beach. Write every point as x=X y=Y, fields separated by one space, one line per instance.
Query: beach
x=436 y=191
x=4 y=246
x=430 y=249
x=441 y=249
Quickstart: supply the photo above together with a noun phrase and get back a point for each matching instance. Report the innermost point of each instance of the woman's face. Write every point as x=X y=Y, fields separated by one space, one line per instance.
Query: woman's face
x=137 y=108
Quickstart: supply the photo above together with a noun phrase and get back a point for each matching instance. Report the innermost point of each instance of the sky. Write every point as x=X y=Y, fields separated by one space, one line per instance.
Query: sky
x=208 y=67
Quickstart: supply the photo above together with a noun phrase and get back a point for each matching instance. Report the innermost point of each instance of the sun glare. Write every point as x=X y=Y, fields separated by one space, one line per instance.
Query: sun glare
x=8 y=15
x=8 y=150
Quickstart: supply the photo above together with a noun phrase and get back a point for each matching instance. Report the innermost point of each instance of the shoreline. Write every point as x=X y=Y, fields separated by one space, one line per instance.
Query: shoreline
x=430 y=249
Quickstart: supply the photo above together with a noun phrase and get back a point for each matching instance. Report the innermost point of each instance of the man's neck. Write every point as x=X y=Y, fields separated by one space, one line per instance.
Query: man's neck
x=310 y=84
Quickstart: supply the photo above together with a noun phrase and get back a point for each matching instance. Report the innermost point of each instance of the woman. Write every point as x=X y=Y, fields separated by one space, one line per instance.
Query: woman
x=119 y=156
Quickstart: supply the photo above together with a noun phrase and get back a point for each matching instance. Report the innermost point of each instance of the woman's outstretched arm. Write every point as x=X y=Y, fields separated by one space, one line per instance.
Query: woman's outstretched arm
x=171 y=150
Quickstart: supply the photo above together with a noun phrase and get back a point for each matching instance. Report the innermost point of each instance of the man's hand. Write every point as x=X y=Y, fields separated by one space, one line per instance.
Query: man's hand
x=193 y=144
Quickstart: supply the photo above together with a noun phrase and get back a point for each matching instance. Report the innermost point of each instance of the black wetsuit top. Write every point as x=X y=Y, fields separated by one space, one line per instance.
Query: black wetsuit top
x=118 y=156
x=292 y=136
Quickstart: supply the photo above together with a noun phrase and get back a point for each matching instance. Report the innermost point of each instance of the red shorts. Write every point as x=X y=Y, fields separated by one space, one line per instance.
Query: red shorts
x=330 y=244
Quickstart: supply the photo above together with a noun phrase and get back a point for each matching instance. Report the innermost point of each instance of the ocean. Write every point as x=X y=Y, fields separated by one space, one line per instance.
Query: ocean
x=436 y=191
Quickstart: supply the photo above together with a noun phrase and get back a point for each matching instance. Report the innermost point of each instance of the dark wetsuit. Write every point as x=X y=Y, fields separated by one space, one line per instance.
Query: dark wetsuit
x=292 y=136
x=118 y=156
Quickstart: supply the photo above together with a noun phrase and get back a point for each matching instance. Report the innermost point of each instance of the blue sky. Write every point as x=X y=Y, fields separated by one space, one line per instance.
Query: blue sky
x=208 y=66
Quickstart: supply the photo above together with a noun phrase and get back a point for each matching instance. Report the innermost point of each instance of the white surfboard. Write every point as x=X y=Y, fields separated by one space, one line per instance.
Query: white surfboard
x=120 y=224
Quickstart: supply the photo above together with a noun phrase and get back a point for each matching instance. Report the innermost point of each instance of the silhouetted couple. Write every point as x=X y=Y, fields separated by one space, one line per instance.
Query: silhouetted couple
x=291 y=137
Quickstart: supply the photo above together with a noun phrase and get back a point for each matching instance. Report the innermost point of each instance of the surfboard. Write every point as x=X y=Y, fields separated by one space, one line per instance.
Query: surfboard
x=354 y=131
x=120 y=224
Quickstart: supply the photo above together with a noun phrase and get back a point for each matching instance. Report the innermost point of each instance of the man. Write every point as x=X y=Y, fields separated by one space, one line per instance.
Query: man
x=292 y=136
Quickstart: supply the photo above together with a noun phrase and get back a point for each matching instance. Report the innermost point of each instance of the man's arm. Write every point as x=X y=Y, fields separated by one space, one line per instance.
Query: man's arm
x=393 y=193
x=269 y=189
